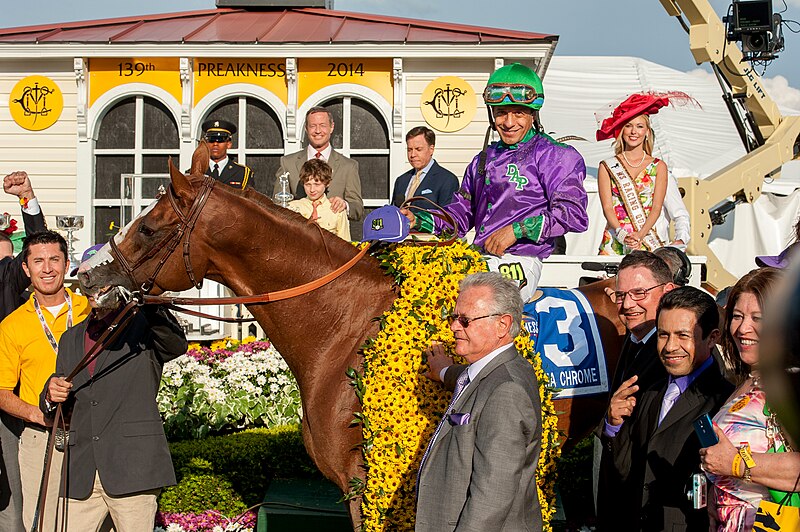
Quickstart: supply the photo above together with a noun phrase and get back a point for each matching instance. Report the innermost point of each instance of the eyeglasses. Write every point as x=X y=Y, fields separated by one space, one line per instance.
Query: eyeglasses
x=636 y=294
x=497 y=92
x=465 y=321
x=217 y=139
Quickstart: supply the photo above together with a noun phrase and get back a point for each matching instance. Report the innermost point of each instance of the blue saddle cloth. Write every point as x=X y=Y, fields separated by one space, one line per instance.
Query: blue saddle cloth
x=564 y=331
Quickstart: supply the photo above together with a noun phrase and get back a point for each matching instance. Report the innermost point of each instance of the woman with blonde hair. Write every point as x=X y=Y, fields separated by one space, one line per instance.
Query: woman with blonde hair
x=633 y=184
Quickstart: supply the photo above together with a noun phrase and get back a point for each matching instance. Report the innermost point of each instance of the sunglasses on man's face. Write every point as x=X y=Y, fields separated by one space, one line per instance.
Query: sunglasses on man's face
x=465 y=321
x=217 y=139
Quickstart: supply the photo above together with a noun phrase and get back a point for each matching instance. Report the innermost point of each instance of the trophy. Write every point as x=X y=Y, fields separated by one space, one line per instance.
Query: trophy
x=284 y=196
x=5 y=221
x=70 y=224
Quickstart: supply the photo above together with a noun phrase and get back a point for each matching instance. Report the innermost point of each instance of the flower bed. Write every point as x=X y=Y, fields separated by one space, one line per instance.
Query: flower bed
x=226 y=387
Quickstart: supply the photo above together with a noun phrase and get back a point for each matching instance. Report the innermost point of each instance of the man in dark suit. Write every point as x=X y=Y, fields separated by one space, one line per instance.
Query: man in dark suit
x=218 y=134
x=344 y=192
x=426 y=178
x=479 y=469
x=662 y=447
x=13 y=283
x=118 y=454
x=641 y=282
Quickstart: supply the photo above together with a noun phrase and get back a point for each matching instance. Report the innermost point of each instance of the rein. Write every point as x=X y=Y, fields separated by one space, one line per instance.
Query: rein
x=182 y=233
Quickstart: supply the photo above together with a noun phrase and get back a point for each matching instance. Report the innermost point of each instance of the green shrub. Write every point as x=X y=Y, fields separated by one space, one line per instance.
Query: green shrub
x=249 y=459
x=196 y=493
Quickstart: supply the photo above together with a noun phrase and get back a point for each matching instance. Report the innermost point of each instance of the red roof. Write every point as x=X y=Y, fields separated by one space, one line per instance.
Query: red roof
x=230 y=25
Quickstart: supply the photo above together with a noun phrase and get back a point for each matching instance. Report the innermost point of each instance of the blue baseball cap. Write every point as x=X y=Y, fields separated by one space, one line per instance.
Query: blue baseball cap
x=86 y=256
x=386 y=223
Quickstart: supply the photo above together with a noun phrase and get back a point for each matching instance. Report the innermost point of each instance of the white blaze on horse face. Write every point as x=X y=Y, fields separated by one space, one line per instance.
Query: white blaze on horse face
x=103 y=256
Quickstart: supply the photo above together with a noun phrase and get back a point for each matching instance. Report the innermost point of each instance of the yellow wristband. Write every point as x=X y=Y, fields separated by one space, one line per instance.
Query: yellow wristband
x=736 y=466
x=747 y=456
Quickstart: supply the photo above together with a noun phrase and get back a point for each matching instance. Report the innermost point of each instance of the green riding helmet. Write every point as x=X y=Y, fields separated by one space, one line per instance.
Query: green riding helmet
x=514 y=84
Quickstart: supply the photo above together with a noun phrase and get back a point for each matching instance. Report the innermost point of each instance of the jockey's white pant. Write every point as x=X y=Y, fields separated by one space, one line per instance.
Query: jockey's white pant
x=525 y=270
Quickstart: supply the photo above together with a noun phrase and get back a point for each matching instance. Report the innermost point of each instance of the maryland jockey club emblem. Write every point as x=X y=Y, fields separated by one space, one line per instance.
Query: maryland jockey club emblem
x=36 y=103
x=513 y=175
x=448 y=104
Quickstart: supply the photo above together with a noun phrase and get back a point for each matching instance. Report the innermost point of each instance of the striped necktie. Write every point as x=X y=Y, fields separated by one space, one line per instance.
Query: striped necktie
x=461 y=383
x=414 y=184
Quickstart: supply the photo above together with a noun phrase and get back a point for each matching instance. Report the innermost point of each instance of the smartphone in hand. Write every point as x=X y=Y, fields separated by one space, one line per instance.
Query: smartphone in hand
x=705 y=431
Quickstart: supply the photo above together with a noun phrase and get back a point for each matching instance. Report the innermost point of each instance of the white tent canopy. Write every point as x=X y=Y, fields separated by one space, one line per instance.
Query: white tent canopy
x=693 y=142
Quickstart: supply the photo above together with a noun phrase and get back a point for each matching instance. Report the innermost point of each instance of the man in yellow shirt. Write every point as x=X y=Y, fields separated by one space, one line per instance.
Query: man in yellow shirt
x=28 y=345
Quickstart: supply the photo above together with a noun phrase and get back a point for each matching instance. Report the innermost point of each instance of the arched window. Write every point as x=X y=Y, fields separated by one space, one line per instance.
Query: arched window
x=362 y=134
x=258 y=142
x=137 y=135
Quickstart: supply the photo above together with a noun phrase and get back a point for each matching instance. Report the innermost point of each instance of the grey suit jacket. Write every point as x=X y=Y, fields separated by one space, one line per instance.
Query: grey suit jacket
x=116 y=428
x=481 y=475
x=345 y=183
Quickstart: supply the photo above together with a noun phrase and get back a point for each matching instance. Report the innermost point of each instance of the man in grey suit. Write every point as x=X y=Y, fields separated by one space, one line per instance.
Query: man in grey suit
x=118 y=454
x=479 y=470
x=344 y=192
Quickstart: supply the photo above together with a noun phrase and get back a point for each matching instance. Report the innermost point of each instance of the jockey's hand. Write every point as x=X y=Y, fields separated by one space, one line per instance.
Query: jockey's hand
x=718 y=458
x=58 y=390
x=18 y=184
x=437 y=361
x=499 y=241
x=623 y=402
x=410 y=215
x=337 y=204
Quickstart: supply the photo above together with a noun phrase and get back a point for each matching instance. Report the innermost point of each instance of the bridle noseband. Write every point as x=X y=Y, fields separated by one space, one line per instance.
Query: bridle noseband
x=181 y=232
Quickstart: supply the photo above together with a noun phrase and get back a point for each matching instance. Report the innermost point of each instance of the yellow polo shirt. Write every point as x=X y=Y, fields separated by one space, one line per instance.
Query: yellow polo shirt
x=26 y=356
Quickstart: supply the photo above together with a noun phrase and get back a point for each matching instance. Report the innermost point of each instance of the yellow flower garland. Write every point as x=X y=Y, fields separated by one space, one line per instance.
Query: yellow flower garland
x=400 y=407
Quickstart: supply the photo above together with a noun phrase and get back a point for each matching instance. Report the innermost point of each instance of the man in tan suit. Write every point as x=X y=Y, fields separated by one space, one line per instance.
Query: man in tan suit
x=344 y=192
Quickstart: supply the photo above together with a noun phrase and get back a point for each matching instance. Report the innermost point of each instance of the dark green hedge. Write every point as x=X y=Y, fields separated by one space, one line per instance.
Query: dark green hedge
x=248 y=460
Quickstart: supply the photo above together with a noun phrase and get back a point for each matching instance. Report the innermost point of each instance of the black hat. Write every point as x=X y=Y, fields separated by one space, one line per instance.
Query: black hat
x=218 y=127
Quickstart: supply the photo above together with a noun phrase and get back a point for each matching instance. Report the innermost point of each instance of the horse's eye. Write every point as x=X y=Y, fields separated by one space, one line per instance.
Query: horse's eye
x=146 y=231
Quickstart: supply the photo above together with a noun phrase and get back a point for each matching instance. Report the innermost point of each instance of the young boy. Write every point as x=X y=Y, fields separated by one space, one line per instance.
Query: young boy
x=316 y=175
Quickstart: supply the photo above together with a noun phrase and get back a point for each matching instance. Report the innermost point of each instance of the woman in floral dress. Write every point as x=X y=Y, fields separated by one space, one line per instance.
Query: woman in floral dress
x=745 y=420
x=636 y=222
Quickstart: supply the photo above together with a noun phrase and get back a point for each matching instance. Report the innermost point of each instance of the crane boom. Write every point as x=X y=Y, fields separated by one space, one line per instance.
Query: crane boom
x=776 y=136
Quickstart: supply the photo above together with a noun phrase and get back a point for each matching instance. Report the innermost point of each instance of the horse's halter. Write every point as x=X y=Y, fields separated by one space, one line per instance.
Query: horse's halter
x=181 y=232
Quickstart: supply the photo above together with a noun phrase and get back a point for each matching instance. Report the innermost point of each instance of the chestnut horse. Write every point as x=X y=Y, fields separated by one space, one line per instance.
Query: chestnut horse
x=244 y=241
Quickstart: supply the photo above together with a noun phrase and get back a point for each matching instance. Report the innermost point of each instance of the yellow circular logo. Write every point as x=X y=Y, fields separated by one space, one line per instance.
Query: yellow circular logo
x=36 y=103
x=448 y=104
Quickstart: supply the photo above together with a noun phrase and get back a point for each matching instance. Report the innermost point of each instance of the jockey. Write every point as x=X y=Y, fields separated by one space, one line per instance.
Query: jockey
x=520 y=193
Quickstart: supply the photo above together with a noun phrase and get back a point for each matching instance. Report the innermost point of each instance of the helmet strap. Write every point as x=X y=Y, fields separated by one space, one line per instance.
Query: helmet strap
x=482 y=157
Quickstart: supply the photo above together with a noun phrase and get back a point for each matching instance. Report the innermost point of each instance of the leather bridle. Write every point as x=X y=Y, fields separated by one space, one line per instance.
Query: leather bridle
x=181 y=232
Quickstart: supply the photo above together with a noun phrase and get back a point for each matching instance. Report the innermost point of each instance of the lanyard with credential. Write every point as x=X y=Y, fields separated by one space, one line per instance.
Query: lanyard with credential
x=46 y=328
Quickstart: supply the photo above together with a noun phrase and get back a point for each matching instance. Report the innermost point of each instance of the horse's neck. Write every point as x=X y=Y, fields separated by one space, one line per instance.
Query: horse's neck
x=320 y=330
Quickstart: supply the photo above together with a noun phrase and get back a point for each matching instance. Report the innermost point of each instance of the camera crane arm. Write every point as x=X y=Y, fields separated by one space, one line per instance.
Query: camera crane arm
x=774 y=137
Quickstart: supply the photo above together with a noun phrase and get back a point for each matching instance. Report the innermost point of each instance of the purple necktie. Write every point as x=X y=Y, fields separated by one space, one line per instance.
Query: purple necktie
x=670 y=397
x=461 y=383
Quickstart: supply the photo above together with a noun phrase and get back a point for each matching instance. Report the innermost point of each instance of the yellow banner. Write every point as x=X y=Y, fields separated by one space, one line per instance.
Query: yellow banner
x=211 y=74
x=315 y=74
x=162 y=72
x=36 y=103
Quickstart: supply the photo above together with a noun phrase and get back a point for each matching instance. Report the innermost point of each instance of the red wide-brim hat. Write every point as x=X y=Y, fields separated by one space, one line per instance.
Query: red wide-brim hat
x=643 y=103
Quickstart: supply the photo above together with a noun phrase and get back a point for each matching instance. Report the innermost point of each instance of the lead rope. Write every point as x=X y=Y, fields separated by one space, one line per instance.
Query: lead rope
x=107 y=338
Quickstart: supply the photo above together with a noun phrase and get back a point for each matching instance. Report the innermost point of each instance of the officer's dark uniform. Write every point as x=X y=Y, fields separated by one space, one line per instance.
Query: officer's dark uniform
x=234 y=174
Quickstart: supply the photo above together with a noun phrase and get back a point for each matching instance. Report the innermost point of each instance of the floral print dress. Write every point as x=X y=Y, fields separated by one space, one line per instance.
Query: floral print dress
x=645 y=183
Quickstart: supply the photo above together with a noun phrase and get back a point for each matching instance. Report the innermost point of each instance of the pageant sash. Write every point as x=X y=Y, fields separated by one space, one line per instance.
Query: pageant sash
x=633 y=205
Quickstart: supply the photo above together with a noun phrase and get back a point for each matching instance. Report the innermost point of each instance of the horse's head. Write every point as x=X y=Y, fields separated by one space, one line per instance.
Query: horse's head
x=152 y=252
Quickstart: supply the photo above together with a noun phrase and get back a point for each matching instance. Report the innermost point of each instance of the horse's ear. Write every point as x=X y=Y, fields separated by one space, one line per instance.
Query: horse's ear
x=200 y=158
x=182 y=183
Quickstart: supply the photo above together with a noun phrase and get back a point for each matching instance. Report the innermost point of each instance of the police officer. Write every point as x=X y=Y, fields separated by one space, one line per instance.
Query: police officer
x=217 y=133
